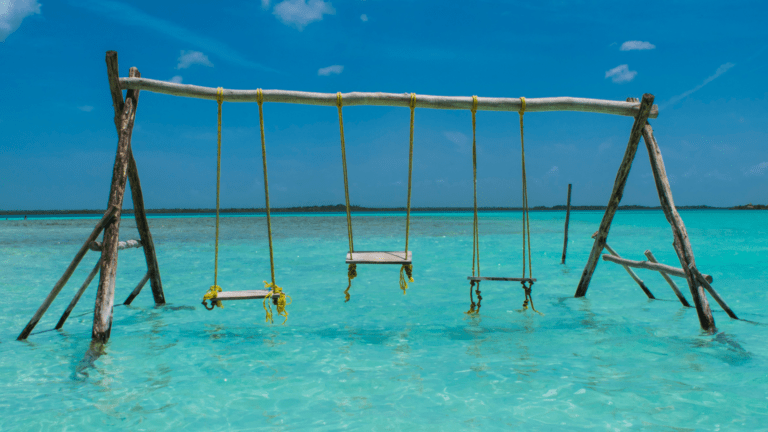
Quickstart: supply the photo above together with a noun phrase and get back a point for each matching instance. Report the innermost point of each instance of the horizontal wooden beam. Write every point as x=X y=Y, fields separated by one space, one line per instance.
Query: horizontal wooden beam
x=128 y=244
x=623 y=108
x=674 y=271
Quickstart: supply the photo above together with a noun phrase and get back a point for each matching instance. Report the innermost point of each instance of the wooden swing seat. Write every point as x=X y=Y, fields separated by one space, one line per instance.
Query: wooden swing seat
x=373 y=257
x=485 y=278
x=245 y=295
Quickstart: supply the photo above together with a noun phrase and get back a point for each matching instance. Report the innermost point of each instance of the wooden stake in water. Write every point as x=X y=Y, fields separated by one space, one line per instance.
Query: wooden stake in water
x=567 y=218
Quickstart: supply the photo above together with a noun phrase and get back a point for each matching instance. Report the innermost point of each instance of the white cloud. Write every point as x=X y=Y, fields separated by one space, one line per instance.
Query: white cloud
x=364 y=17
x=636 y=45
x=757 y=170
x=335 y=69
x=552 y=171
x=86 y=108
x=300 y=13
x=189 y=58
x=265 y=4
x=12 y=12
x=721 y=70
x=621 y=74
x=176 y=79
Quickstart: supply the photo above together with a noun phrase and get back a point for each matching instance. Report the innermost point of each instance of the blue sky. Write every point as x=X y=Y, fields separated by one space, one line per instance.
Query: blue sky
x=705 y=62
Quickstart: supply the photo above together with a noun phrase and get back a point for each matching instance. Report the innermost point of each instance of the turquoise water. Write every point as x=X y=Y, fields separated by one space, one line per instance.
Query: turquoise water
x=614 y=360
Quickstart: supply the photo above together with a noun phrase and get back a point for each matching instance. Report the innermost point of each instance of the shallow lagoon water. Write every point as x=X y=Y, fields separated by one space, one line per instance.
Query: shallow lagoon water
x=614 y=360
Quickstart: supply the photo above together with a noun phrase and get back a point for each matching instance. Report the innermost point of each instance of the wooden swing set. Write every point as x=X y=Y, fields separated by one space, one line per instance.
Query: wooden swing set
x=125 y=170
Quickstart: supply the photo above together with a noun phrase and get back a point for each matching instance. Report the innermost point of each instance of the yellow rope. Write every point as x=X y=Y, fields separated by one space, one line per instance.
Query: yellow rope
x=406 y=271
x=475 y=231
x=352 y=269
x=526 y=218
x=215 y=288
x=281 y=304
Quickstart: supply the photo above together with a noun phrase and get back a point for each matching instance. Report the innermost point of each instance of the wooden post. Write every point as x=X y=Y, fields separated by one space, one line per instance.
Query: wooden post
x=137 y=290
x=79 y=294
x=67 y=273
x=102 y=314
x=567 y=218
x=681 y=243
x=133 y=176
x=672 y=284
x=703 y=281
x=632 y=274
x=616 y=194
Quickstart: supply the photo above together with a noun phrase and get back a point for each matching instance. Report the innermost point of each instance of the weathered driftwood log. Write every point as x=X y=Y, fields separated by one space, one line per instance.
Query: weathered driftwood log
x=703 y=281
x=616 y=194
x=631 y=273
x=672 y=284
x=630 y=109
x=137 y=290
x=674 y=271
x=133 y=177
x=67 y=273
x=142 y=224
x=681 y=242
x=102 y=313
x=79 y=294
x=567 y=218
x=127 y=244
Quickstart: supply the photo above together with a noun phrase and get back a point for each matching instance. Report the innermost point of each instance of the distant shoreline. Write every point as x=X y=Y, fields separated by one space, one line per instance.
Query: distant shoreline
x=339 y=208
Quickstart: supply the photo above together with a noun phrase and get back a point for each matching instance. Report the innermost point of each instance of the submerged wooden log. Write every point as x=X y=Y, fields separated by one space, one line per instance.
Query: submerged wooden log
x=79 y=294
x=681 y=242
x=111 y=211
x=669 y=280
x=127 y=244
x=102 y=314
x=616 y=194
x=567 y=218
x=703 y=281
x=137 y=290
x=630 y=109
x=631 y=273
x=674 y=271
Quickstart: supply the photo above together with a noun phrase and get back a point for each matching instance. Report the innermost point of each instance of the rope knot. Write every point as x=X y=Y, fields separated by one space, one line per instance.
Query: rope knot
x=351 y=274
x=338 y=99
x=212 y=294
x=406 y=275
x=280 y=303
x=259 y=96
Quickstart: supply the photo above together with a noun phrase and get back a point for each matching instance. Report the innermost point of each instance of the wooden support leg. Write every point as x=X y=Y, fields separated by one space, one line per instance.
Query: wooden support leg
x=133 y=176
x=567 y=218
x=704 y=283
x=146 y=236
x=67 y=273
x=634 y=276
x=681 y=243
x=102 y=314
x=618 y=190
x=137 y=290
x=672 y=284
x=77 y=296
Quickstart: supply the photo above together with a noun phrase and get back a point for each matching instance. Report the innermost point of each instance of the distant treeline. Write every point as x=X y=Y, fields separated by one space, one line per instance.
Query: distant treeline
x=341 y=208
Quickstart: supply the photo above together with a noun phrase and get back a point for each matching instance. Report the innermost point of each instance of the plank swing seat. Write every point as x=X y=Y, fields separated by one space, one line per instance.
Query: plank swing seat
x=525 y=282
x=215 y=294
x=353 y=258
x=373 y=257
